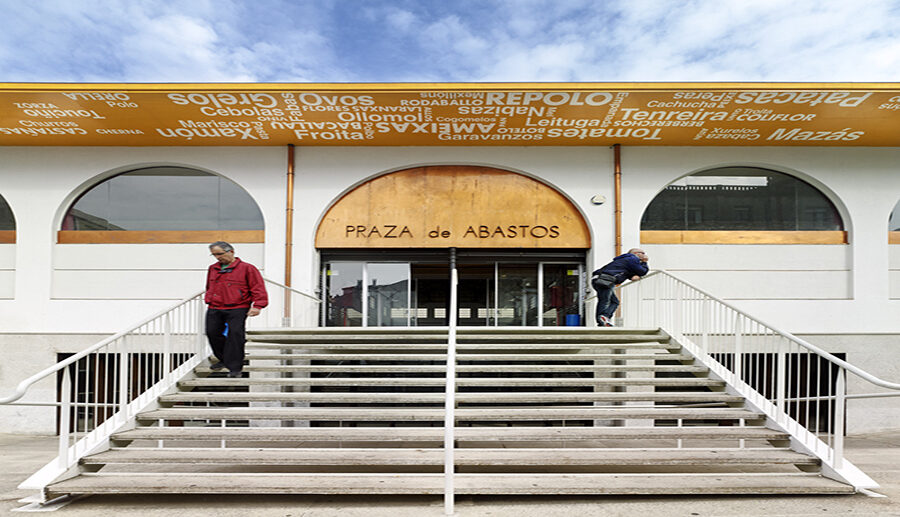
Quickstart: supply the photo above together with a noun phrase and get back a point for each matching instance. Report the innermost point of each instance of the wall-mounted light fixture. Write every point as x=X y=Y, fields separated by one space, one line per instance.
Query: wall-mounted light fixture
x=599 y=199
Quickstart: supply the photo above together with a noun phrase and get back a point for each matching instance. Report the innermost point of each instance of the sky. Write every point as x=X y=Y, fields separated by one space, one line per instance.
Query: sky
x=374 y=41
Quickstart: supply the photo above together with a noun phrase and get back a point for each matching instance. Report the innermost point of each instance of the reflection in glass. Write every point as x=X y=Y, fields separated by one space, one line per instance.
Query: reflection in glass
x=517 y=294
x=343 y=283
x=165 y=198
x=7 y=221
x=894 y=221
x=388 y=295
x=741 y=198
x=560 y=295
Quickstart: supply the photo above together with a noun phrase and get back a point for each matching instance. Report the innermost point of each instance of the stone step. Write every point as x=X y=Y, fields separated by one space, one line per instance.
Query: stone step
x=464 y=381
x=438 y=398
x=462 y=434
x=437 y=415
x=593 y=484
x=512 y=356
x=592 y=338
x=464 y=368
x=441 y=347
x=461 y=330
x=530 y=456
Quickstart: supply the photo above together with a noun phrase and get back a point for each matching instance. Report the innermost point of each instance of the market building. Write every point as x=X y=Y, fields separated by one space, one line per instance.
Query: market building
x=781 y=199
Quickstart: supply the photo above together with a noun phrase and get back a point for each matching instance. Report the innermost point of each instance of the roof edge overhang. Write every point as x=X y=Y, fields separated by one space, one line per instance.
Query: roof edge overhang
x=405 y=87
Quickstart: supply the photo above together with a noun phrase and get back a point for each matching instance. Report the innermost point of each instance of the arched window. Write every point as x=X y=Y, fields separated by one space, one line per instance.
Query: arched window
x=163 y=204
x=741 y=205
x=7 y=223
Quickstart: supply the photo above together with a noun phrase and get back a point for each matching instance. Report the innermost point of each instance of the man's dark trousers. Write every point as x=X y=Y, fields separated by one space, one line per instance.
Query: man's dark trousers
x=607 y=303
x=227 y=349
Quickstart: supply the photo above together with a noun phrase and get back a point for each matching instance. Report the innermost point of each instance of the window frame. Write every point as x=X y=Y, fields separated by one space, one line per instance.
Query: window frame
x=156 y=236
x=740 y=236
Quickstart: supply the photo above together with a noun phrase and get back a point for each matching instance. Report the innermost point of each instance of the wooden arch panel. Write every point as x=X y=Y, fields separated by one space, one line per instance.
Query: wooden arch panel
x=453 y=206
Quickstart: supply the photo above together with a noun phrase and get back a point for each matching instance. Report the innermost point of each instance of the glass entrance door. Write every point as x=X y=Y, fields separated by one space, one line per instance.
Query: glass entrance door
x=366 y=294
x=387 y=295
x=562 y=296
x=490 y=293
x=517 y=295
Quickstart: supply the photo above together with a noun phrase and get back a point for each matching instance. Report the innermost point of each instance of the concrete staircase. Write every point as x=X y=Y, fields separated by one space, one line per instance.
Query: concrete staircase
x=360 y=411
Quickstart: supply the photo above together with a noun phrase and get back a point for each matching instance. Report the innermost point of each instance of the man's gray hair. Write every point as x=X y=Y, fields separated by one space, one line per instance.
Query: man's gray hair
x=222 y=244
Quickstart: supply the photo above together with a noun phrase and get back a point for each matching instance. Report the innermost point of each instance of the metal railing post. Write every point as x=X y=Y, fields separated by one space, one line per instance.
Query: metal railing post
x=781 y=384
x=65 y=408
x=657 y=303
x=738 y=348
x=123 y=378
x=705 y=323
x=167 y=346
x=839 y=401
x=201 y=327
x=450 y=401
x=678 y=324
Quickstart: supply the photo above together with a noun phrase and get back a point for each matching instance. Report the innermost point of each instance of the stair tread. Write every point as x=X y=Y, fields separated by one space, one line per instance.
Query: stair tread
x=464 y=356
x=491 y=397
x=627 y=340
x=437 y=433
x=463 y=456
x=599 y=484
x=489 y=414
x=463 y=381
x=491 y=368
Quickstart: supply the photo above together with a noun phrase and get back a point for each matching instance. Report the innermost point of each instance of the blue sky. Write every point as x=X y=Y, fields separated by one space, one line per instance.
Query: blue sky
x=448 y=41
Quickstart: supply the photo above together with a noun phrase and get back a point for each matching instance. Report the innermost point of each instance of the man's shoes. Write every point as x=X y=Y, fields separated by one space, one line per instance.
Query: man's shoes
x=235 y=375
x=217 y=366
x=606 y=322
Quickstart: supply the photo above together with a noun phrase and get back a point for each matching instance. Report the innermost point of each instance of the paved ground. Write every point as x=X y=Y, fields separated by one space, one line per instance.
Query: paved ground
x=876 y=454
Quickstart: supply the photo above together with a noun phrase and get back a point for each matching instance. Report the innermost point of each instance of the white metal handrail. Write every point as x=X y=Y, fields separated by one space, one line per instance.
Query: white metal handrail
x=23 y=386
x=103 y=387
x=800 y=387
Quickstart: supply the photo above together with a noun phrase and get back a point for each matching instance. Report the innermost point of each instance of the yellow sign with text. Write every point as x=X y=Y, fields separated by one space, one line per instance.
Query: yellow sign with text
x=450 y=114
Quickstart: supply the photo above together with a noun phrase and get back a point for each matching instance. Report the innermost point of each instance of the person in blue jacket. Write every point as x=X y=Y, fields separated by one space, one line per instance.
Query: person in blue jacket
x=628 y=266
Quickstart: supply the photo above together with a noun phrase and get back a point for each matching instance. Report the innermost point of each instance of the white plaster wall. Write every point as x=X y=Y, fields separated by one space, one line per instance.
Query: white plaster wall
x=135 y=271
x=760 y=272
x=7 y=271
x=894 y=272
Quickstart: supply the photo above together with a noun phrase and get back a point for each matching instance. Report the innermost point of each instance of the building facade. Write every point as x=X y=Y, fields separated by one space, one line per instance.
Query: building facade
x=100 y=232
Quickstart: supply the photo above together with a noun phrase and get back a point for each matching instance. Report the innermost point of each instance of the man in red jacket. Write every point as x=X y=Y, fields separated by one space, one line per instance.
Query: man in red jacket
x=234 y=291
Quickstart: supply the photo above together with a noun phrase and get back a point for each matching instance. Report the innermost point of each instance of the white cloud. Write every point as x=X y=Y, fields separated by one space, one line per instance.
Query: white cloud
x=172 y=47
x=479 y=40
x=401 y=20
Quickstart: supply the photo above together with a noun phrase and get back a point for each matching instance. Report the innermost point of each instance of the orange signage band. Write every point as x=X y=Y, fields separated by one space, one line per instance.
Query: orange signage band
x=727 y=114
